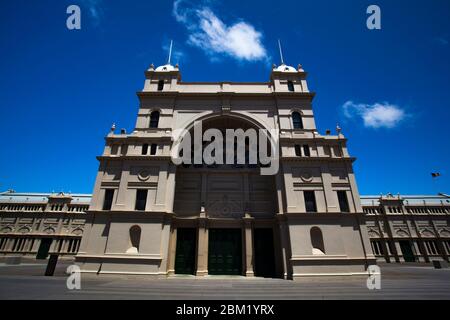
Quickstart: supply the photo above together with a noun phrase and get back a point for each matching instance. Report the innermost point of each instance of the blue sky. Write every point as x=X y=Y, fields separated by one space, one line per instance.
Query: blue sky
x=60 y=90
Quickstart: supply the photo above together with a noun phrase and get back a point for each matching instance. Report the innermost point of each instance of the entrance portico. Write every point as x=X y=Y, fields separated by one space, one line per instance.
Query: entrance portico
x=225 y=248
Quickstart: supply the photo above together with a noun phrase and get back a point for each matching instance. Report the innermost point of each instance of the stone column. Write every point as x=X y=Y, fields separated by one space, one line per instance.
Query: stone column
x=53 y=246
x=280 y=188
x=96 y=201
x=399 y=252
x=249 y=247
x=121 y=198
x=172 y=251
x=356 y=199
x=36 y=244
x=202 y=248
x=65 y=246
x=170 y=197
x=292 y=202
x=421 y=245
x=285 y=245
x=161 y=191
x=329 y=194
x=9 y=244
x=418 y=255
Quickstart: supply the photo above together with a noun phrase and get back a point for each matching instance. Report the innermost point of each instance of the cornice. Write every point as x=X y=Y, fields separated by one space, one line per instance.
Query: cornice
x=133 y=157
x=218 y=94
x=317 y=159
x=131 y=138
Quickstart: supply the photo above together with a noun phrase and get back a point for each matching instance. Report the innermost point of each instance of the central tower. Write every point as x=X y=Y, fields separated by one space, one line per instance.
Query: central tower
x=149 y=216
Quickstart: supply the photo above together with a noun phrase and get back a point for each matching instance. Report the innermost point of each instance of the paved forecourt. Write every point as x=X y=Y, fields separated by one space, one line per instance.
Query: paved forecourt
x=412 y=281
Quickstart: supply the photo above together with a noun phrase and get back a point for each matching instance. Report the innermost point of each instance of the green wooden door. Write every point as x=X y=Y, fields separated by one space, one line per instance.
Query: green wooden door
x=225 y=252
x=407 y=252
x=44 y=248
x=185 y=251
x=264 y=253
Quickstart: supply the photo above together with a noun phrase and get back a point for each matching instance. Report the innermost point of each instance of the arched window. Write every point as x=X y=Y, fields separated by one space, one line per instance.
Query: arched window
x=144 y=149
x=154 y=119
x=318 y=247
x=135 y=239
x=290 y=85
x=297 y=120
x=160 y=85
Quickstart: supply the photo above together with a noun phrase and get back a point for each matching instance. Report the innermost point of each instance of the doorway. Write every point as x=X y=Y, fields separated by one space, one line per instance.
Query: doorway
x=44 y=248
x=407 y=252
x=264 y=253
x=225 y=252
x=185 y=251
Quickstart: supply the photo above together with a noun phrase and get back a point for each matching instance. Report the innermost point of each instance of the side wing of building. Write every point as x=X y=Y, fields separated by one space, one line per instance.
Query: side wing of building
x=37 y=225
x=408 y=228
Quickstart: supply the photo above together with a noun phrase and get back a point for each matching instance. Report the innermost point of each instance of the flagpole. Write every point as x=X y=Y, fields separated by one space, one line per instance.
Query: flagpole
x=170 y=51
x=281 y=51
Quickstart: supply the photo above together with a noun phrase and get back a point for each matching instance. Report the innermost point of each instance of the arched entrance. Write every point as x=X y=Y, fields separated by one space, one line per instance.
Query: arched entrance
x=233 y=209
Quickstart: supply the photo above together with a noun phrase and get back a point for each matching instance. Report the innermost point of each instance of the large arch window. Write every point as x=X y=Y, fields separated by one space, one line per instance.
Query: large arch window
x=154 y=119
x=297 y=120
x=318 y=247
x=135 y=239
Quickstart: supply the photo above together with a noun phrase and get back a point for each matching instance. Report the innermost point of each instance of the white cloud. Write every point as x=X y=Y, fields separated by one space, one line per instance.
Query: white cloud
x=180 y=14
x=208 y=32
x=95 y=10
x=377 y=115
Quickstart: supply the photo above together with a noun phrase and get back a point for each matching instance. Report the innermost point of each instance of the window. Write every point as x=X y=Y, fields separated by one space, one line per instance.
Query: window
x=297 y=120
x=141 y=199
x=377 y=248
x=337 y=151
x=317 y=241
x=144 y=149
x=160 y=85
x=153 y=149
x=447 y=245
x=298 y=151
x=107 y=202
x=3 y=243
x=114 y=149
x=310 y=201
x=306 y=152
x=135 y=239
x=154 y=119
x=290 y=85
x=124 y=149
x=431 y=247
x=343 y=201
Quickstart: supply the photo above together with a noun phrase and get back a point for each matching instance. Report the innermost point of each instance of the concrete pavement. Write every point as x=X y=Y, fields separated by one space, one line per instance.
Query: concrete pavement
x=415 y=281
